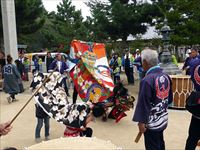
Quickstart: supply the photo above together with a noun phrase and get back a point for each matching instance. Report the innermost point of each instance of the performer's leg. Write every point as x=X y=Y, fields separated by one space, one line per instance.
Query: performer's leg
x=75 y=95
x=112 y=113
x=115 y=79
x=38 y=127
x=194 y=134
x=12 y=95
x=88 y=132
x=152 y=140
x=65 y=86
x=118 y=79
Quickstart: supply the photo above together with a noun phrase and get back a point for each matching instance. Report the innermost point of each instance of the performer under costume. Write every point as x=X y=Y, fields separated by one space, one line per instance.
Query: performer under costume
x=120 y=102
x=79 y=126
x=53 y=100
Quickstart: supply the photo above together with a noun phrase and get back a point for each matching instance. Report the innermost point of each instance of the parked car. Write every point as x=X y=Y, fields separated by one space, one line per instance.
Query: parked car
x=42 y=55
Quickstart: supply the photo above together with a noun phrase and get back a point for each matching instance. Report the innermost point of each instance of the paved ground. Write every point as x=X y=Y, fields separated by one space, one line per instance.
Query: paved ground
x=121 y=134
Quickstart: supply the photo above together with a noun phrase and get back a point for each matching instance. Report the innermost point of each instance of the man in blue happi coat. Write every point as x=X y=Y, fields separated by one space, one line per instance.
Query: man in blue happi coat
x=62 y=68
x=194 y=129
x=155 y=94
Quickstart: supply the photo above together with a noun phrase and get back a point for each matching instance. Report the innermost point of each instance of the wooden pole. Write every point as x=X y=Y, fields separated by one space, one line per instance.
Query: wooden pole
x=32 y=97
x=138 y=137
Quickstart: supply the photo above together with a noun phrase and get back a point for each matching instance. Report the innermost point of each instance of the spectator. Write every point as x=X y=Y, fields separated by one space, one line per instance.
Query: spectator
x=49 y=60
x=127 y=62
x=114 y=64
x=2 y=62
x=20 y=67
x=154 y=96
x=21 y=57
x=138 y=64
x=174 y=60
x=36 y=62
x=193 y=56
x=40 y=64
x=62 y=68
x=2 y=59
x=137 y=53
x=194 y=129
x=186 y=66
x=26 y=68
x=11 y=78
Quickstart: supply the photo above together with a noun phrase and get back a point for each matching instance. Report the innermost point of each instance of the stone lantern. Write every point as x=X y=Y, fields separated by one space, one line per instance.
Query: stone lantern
x=166 y=57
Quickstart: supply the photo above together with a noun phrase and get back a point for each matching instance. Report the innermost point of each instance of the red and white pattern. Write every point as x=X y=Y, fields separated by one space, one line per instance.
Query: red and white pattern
x=91 y=75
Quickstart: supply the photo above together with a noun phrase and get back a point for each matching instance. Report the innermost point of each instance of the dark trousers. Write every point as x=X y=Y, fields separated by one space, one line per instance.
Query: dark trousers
x=194 y=134
x=39 y=126
x=88 y=132
x=75 y=95
x=12 y=95
x=116 y=79
x=65 y=85
x=129 y=75
x=154 y=140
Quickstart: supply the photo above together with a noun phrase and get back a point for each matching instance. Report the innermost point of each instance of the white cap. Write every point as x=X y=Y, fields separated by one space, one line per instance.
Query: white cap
x=137 y=50
x=188 y=51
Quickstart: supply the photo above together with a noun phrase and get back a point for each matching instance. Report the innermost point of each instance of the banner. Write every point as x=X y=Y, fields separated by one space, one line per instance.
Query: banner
x=91 y=75
x=53 y=100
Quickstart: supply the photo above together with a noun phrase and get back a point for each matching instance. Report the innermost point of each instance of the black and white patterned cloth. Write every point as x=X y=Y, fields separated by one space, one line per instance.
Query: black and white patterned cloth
x=53 y=100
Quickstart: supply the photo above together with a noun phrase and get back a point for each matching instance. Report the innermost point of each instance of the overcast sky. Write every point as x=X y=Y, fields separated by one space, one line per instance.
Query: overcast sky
x=51 y=5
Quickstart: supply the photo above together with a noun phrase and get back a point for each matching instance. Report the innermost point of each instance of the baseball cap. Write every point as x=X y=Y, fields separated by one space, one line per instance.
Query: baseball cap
x=188 y=51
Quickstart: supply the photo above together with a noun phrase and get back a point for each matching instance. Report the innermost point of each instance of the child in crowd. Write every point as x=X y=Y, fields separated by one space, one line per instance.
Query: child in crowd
x=41 y=117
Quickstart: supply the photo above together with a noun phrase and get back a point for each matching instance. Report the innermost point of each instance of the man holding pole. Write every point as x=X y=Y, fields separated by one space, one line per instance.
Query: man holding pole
x=154 y=96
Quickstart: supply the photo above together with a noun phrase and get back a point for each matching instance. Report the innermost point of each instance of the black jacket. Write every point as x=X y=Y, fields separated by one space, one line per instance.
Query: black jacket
x=40 y=112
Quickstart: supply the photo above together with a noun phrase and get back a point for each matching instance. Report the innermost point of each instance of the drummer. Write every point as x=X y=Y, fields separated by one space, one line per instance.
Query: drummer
x=194 y=129
x=193 y=55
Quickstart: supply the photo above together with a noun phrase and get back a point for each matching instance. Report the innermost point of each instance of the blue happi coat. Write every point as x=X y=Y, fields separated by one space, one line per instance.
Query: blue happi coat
x=155 y=94
x=63 y=67
x=11 y=79
x=195 y=73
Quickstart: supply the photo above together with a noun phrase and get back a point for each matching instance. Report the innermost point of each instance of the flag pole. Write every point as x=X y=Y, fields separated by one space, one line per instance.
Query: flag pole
x=46 y=80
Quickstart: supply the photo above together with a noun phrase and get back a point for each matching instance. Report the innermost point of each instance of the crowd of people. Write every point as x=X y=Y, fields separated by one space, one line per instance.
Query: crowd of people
x=131 y=64
x=155 y=92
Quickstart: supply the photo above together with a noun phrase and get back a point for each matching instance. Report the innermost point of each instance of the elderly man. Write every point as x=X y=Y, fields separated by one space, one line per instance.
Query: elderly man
x=154 y=96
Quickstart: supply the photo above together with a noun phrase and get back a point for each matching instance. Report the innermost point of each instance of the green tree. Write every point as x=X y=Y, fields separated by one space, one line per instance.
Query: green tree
x=184 y=18
x=118 y=18
x=29 y=18
x=61 y=28
x=70 y=22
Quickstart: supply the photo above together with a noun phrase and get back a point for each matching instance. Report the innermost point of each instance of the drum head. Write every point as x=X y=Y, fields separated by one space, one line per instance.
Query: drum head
x=74 y=143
